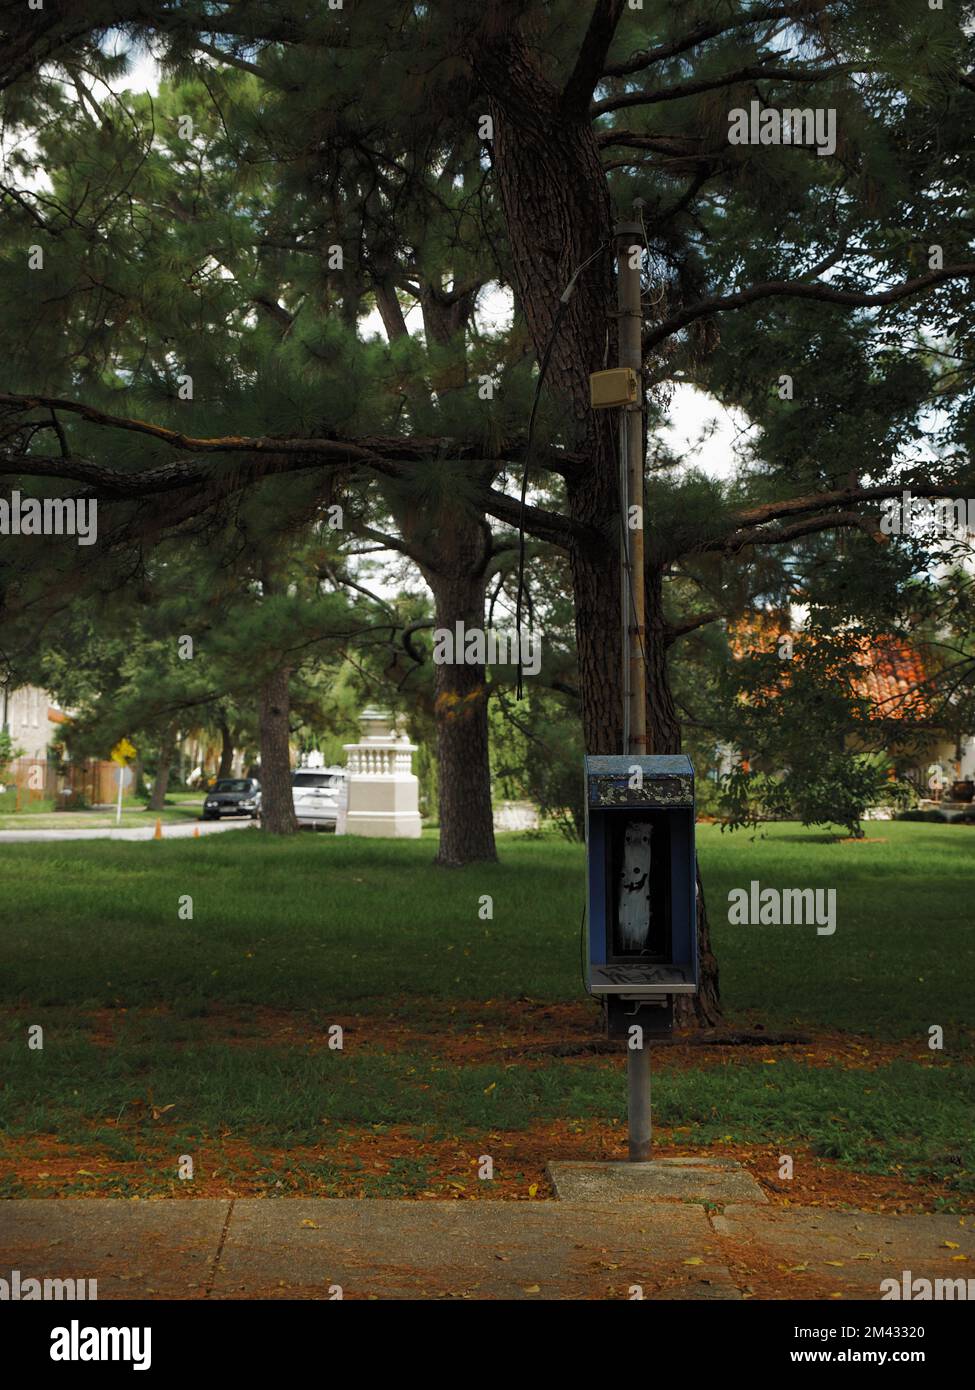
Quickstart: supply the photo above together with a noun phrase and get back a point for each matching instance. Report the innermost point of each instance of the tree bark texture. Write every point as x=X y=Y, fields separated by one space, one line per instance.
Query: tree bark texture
x=226 y=750
x=277 y=801
x=461 y=544
x=558 y=214
x=164 y=765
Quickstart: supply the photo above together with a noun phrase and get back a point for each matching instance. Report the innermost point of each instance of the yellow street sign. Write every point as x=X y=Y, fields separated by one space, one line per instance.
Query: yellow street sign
x=123 y=752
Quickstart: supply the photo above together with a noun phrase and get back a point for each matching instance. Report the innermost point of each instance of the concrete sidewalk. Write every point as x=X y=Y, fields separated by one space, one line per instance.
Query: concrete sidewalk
x=398 y=1249
x=176 y=830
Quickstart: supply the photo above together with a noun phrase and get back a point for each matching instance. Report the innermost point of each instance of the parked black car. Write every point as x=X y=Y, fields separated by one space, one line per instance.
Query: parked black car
x=233 y=796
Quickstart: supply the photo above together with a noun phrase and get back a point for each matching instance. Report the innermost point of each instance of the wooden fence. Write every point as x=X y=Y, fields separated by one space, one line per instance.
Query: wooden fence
x=91 y=781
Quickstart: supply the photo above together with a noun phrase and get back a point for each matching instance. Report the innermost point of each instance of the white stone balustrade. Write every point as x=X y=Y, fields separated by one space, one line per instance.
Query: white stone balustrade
x=383 y=793
x=371 y=760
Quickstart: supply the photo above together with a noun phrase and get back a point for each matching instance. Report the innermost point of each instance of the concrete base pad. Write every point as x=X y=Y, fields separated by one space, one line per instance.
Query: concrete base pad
x=718 y=1180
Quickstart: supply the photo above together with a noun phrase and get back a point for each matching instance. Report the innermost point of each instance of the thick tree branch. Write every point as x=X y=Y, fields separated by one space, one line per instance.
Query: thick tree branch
x=728 y=79
x=589 y=66
x=798 y=289
x=233 y=61
x=337 y=450
x=751 y=524
x=150 y=482
x=388 y=455
x=780 y=535
x=674 y=630
x=841 y=497
x=545 y=525
x=275 y=310
x=678 y=146
x=413 y=552
x=761 y=14
x=390 y=310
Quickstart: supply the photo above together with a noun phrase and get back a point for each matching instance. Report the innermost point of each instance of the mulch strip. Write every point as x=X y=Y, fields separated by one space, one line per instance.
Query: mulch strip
x=360 y=1161
x=488 y=1032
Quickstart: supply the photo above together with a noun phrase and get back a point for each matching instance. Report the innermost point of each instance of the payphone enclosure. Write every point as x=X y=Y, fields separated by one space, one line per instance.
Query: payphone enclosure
x=642 y=896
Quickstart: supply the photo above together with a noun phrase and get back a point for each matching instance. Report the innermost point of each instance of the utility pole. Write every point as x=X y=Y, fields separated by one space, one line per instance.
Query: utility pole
x=633 y=595
x=629 y=244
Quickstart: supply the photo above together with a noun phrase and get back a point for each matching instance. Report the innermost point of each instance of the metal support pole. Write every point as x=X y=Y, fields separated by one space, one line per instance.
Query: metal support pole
x=630 y=240
x=638 y=1102
x=626 y=673
x=633 y=606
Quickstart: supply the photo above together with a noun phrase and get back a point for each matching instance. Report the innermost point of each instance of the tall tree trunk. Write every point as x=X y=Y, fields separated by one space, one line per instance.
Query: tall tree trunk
x=463 y=770
x=461 y=545
x=164 y=764
x=558 y=213
x=455 y=547
x=226 y=749
x=277 y=801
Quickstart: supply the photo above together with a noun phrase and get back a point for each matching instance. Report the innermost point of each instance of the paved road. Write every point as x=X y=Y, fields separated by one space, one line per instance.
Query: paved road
x=388 y=1249
x=178 y=830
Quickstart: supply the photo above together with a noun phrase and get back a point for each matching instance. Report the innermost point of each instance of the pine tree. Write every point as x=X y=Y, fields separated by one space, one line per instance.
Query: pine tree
x=574 y=114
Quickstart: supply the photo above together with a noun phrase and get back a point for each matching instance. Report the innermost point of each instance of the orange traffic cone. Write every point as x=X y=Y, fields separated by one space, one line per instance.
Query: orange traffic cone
x=196 y=832
x=157 y=833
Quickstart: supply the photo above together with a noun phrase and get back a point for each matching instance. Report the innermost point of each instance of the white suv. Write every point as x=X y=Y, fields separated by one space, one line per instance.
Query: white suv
x=316 y=792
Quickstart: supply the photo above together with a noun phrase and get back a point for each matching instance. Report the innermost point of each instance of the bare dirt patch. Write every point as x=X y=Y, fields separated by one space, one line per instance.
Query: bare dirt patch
x=477 y=1032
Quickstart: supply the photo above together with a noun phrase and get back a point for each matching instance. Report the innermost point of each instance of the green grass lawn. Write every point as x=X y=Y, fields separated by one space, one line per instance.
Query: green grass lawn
x=336 y=926
x=321 y=920
x=903 y=955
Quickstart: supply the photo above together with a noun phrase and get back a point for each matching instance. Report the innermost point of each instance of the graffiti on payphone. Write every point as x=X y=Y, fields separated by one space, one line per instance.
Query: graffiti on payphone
x=639 y=914
x=634 y=911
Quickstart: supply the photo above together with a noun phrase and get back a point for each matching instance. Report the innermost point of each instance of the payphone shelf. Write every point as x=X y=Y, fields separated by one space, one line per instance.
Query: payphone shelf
x=642 y=981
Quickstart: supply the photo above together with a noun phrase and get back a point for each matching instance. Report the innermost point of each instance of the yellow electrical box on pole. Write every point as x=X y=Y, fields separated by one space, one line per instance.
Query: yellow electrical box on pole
x=615 y=387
